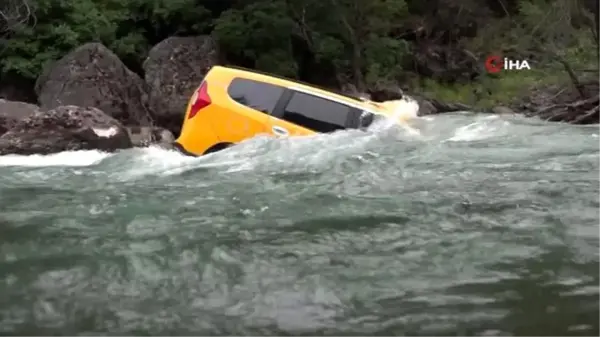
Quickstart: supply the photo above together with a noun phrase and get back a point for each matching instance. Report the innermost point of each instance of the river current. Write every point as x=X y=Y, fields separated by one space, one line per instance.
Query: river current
x=476 y=225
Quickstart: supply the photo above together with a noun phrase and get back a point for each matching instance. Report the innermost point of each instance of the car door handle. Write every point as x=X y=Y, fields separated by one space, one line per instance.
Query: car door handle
x=278 y=130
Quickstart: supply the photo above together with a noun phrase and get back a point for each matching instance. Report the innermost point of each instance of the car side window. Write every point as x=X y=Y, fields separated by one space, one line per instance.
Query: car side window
x=257 y=95
x=316 y=113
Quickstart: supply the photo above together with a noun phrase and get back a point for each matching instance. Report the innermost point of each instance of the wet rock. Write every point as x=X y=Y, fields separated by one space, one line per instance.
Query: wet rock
x=377 y=93
x=430 y=106
x=12 y=112
x=146 y=136
x=425 y=107
x=443 y=107
x=173 y=70
x=384 y=93
x=92 y=75
x=65 y=128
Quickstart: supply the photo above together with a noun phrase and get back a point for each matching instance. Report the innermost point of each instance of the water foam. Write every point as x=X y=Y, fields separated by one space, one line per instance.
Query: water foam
x=405 y=113
x=67 y=158
x=309 y=150
x=405 y=109
x=151 y=160
x=482 y=128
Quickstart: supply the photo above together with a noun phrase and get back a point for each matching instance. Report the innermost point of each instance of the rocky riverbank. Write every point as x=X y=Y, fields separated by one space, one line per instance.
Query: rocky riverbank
x=89 y=99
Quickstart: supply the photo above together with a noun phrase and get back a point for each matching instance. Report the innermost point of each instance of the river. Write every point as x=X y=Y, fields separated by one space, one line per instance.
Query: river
x=478 y=225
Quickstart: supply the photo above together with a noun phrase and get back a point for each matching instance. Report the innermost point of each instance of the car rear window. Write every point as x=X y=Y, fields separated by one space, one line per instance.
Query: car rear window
x=259 y=96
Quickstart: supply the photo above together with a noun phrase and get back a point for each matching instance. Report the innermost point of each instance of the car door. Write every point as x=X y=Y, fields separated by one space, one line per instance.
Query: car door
x=252 y=106
x=301 y=113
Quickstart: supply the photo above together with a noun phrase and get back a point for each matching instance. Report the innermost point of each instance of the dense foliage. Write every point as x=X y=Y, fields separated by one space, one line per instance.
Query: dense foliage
x=363 y=42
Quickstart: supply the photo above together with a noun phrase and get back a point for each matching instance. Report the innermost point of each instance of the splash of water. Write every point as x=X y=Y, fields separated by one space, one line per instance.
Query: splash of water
x=478 y=130
x=290 y=152
x=405 y=113
x=404 y=109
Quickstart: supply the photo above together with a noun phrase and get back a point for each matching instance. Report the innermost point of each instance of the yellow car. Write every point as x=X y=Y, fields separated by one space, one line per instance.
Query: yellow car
x=234 y=104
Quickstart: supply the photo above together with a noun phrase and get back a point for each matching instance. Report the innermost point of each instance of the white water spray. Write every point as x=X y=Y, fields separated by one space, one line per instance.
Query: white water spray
x=404 y=112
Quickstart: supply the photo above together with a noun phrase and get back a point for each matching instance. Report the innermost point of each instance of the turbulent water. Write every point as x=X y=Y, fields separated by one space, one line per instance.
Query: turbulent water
x=475 y=225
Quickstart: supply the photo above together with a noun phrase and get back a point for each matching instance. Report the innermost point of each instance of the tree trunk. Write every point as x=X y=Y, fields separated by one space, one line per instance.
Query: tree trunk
x=356 y=67
x=356 y=45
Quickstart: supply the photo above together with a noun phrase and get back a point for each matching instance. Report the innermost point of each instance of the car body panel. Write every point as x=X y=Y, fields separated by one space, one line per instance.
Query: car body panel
x=225 y=120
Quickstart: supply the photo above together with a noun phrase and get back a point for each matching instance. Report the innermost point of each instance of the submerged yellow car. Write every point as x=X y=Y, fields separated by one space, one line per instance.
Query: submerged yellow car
x=234 y=104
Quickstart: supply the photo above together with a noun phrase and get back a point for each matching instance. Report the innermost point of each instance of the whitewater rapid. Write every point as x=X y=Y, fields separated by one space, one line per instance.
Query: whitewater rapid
x=313 y=153
x=457 y=224
x=157 y=158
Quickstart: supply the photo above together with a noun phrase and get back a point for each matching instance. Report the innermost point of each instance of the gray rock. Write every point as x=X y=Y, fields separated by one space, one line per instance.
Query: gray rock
x=426 y=107
x=147 y=135
x=65 y=128
x=92 y=75
x=429 y=106
x=12 y=112
x=174 y=68
x=443 y=107
x=382 y=93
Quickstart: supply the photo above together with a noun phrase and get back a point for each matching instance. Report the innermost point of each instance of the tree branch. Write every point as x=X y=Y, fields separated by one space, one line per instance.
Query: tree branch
x=13 y=13
x=300 y=20
x=571 y=73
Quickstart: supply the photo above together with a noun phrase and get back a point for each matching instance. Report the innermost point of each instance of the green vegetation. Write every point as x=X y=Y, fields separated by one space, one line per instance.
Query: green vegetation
x=545 y=33
x=365 y=43
x=497 y=89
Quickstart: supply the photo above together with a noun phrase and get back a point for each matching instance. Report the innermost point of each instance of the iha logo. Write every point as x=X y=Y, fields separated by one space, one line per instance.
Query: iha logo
x=495 y=64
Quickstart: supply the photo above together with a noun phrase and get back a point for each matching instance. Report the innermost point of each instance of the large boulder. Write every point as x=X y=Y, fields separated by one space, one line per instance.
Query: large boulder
x=92 y=75
x=173 y=70
x=65 y=128
x=12 y=112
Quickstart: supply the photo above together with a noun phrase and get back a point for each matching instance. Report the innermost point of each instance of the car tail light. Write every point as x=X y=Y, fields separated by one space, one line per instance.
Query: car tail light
x=200 y=100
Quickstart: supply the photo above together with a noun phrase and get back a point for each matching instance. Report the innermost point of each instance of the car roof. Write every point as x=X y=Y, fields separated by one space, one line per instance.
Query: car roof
x=296 y=85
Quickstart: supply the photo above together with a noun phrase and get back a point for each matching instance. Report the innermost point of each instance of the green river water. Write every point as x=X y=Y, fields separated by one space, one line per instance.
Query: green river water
x=480 y=225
